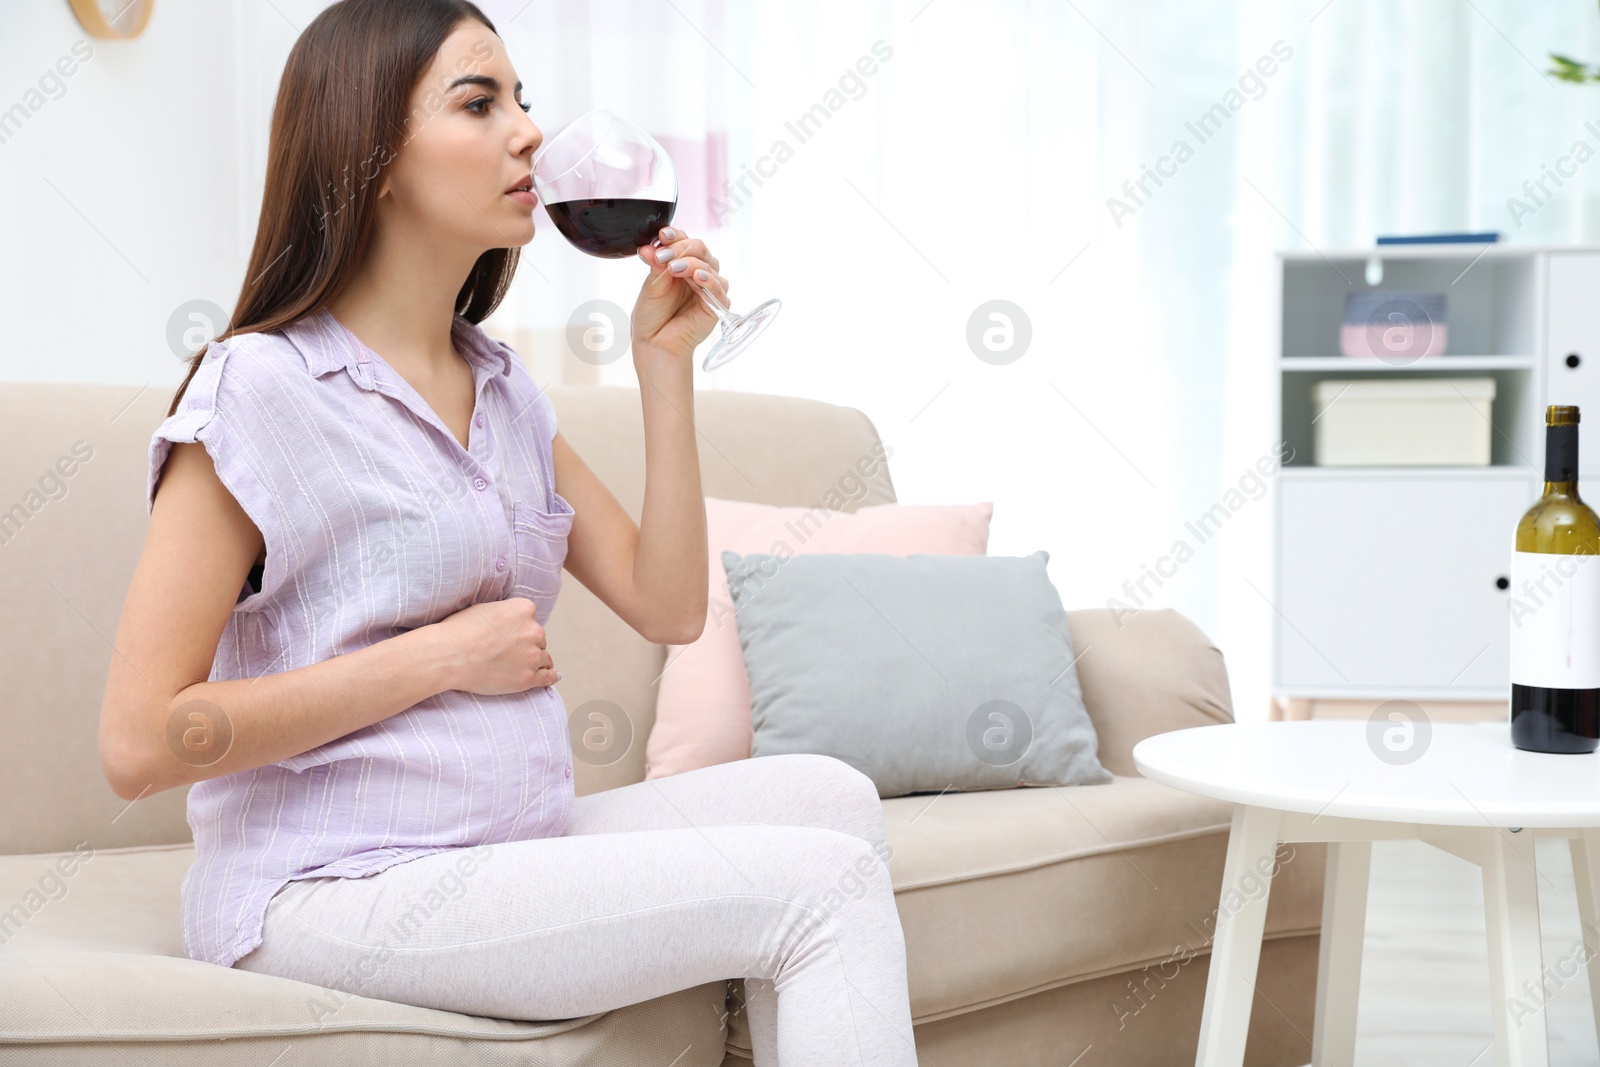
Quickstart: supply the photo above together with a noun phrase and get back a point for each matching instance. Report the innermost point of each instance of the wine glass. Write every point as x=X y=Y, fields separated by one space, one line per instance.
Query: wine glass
x=609 y=188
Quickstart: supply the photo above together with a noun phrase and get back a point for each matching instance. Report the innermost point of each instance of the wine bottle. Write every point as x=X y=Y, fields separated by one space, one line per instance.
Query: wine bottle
x=1555 y=606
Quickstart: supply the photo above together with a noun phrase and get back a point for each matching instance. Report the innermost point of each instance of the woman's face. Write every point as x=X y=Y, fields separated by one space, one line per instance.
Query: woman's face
x=468 y=141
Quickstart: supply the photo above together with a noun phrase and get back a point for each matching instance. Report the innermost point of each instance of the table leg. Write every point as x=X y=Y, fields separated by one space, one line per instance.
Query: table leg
x=1511 y=915
x=1344 y=923
x=1236 y=946
x=1586 y=876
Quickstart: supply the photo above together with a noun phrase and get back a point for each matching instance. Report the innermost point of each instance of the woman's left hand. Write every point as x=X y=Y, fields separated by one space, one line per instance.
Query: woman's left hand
x=669 y=317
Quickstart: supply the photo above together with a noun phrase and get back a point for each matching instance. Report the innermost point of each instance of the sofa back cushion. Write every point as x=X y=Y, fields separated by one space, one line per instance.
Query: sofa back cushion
x=1144 y=673
x=72 y=524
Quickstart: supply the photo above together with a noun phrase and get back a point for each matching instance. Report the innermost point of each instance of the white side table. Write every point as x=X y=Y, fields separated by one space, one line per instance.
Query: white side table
x=1461 y=787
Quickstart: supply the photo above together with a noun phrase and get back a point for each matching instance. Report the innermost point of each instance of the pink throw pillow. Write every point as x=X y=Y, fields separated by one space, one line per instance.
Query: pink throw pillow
x=703 y=702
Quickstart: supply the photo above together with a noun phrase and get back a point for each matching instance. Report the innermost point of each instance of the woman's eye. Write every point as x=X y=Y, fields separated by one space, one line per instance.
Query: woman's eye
x=473 y=107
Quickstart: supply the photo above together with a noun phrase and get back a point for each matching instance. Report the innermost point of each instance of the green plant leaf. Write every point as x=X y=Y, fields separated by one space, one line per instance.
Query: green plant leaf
x=1570 y=70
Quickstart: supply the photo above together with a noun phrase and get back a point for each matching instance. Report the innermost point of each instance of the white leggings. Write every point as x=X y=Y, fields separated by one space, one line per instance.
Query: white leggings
x=773 y=869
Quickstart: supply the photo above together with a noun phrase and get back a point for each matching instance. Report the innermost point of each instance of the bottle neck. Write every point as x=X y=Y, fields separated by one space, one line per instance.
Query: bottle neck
x=1561 y=459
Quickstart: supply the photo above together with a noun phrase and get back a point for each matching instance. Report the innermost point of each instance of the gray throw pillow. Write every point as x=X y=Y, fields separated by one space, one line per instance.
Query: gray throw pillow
x=924 y=672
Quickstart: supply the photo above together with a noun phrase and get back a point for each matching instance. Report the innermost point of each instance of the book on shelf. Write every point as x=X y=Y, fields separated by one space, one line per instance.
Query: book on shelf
x=1486 y=237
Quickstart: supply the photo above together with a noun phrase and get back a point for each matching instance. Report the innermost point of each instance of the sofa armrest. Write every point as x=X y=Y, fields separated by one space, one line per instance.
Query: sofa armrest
x=1144 y=673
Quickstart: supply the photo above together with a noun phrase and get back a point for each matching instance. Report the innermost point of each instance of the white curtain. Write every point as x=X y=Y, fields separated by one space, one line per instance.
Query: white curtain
x=978 y=161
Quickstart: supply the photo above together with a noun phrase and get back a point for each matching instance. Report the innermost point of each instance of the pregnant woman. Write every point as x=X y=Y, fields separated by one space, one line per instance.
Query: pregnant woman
x=360 y=508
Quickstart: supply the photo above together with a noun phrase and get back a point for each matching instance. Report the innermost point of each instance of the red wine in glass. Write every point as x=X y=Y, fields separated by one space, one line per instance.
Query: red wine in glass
x=610 y=187
x=612 y=227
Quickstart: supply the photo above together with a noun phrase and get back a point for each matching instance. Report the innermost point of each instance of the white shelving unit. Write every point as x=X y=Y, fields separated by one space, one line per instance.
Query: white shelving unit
x=1386 y=580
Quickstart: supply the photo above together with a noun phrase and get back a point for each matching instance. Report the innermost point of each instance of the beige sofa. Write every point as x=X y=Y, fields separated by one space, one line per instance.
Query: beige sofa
x=1038 y=922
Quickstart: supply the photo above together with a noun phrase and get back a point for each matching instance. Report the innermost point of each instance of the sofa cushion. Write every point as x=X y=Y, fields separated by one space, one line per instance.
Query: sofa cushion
x=1008 y=892
x=91 y=951
x=925 y=672
x=703 y=703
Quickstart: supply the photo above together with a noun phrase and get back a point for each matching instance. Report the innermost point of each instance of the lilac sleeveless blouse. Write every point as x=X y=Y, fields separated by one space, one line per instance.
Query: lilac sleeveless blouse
x=376 y=521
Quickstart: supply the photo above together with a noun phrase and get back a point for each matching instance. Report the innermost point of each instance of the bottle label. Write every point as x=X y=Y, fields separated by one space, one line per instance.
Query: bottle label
x=1555 y=620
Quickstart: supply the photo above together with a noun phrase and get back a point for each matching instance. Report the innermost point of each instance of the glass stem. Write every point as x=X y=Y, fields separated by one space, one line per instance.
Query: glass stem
x=724 y=316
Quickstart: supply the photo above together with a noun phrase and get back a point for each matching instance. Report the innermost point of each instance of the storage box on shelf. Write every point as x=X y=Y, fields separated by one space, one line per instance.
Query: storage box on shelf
x=1391 y=582
x=1443 y=421
x=1386 y=323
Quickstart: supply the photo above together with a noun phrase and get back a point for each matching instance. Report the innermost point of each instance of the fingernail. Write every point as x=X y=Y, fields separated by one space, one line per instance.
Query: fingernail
x=701 y=275
x=678 y=266
x=558 y=676
x=668 y=234
x=663 y=254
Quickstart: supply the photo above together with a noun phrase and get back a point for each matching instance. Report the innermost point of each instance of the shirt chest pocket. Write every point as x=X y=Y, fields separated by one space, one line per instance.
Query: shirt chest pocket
x=540 y=540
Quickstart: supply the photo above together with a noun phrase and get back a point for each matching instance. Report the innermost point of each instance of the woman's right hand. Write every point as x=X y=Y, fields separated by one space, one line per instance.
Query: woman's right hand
x=496 y=648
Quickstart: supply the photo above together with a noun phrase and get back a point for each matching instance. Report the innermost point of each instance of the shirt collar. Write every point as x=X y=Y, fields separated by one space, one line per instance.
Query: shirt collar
x=326 y=345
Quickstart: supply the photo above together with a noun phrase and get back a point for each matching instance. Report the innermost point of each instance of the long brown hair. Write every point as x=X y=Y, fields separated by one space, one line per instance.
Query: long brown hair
x=340 y=118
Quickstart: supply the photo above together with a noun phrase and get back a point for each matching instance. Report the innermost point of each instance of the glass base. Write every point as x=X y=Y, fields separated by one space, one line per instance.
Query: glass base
x=744 y=329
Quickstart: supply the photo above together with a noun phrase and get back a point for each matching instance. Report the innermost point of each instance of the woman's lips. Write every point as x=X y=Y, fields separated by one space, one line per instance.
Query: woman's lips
x=523 y=196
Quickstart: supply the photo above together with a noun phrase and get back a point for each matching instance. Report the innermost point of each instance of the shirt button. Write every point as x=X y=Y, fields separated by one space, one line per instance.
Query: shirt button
x=479 y=483
x=478 y=421
x=569 y=770
x=500 y=564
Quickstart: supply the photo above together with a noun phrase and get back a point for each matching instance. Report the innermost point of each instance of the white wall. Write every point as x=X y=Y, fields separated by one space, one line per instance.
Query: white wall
x=120 y=186
x=132 y=186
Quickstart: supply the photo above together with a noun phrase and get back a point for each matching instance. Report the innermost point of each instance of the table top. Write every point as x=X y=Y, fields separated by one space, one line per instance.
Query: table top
x=1445 y=773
